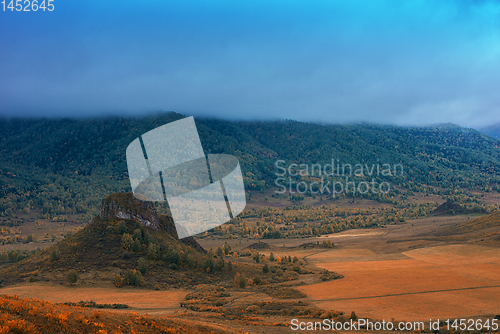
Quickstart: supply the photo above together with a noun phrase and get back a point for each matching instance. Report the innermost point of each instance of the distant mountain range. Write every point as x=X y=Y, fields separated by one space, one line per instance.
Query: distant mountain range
x=67 y=166
x=492 y=130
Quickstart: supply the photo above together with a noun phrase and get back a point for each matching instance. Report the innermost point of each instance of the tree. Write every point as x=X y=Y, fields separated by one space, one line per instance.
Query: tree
x=265 y=269
x=54 y=255
x=142 y=265
x=118 y=280
x=121 y=228
x=127 y=242
x=72 y=277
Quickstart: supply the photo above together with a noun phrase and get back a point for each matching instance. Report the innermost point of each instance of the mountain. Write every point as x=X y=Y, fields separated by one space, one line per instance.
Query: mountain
x=492 y=131
x=66 y=166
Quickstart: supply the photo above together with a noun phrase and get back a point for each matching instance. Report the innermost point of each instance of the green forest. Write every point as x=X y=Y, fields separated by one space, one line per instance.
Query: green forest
x=66 y=166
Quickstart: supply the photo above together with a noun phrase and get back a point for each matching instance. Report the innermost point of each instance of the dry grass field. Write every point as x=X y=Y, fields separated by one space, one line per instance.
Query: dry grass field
x=436 y=282
x=141 y=301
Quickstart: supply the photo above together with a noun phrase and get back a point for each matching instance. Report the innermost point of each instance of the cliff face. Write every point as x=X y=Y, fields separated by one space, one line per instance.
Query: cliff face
x=126 y=206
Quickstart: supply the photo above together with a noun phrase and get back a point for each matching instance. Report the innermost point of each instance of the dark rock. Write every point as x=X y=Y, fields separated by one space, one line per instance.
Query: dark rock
x=126 y=206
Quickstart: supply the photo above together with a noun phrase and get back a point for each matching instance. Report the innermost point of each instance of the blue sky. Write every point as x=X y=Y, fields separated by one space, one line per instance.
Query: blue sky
x=410 y=62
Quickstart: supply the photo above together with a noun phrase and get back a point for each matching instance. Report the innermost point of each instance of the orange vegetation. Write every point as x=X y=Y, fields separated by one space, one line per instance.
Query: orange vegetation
x=37 y=316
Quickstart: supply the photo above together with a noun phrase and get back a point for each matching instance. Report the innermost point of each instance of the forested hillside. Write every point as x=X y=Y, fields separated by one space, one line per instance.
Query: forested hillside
x=65 y=166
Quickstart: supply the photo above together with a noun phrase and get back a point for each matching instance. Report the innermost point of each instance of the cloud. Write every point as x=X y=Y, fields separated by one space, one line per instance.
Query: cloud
x=397 y=62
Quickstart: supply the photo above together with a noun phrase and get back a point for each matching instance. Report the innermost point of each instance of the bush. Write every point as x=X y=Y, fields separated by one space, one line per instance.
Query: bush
x=173 y=266
x=229 y=266
x=257 y=280
x=279 y=272
x=126 y=255
x=265 y=269
x=72 y=277
x=252 y=308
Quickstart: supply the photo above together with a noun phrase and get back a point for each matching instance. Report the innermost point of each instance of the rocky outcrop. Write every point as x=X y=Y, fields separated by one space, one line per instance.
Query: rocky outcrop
x=126 y=206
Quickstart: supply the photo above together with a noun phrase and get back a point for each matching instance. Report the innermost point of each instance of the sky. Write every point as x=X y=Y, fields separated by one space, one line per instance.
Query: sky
x=411 y=62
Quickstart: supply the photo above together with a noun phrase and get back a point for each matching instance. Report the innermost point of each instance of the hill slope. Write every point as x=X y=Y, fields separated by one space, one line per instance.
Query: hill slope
x=65 y=166
x=143 y=249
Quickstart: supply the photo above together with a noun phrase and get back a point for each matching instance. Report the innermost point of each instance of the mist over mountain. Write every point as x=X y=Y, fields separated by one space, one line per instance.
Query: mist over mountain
x=492 y=130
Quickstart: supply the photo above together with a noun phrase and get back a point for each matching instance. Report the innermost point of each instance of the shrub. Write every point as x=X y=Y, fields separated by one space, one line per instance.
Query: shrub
x=72 y=277
x=252 y=308
x=265 y=269
x=279 y=272
x=126 y=255
x=173 y=266
x=257 y=280
x=229 y=266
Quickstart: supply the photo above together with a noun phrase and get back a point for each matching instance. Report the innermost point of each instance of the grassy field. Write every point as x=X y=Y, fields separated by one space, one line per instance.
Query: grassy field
x=433 y=282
